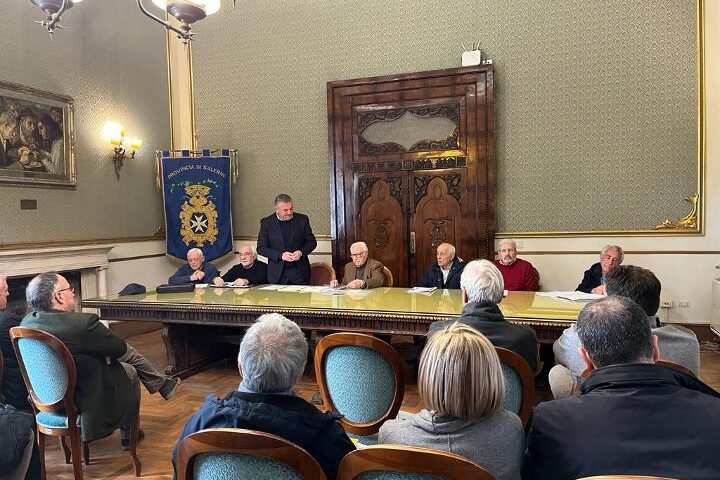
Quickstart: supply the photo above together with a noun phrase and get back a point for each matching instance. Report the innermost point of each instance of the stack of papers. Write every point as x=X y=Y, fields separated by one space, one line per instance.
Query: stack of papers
x=574 y=296
x=423 y=290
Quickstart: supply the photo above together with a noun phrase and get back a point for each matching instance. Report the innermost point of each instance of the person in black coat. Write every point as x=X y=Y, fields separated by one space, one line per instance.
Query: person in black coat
x=13 y=385
x=633 y=417
x=482 y=289
x=445 y=273
x=250 y=270
x=594 y=278
x=286 y=239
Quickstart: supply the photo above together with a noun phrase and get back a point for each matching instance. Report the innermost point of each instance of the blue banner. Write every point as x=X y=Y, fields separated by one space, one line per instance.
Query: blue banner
x=196 y=191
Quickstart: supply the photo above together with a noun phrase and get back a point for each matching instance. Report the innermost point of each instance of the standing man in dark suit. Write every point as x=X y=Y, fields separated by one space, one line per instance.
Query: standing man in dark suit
x=286 y=239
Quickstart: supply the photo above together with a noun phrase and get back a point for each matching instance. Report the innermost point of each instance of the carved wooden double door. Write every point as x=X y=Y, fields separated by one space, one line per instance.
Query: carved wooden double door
x=412 y=167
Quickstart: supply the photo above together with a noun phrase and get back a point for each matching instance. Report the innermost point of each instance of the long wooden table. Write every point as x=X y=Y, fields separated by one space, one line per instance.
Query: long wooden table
x=195 y=322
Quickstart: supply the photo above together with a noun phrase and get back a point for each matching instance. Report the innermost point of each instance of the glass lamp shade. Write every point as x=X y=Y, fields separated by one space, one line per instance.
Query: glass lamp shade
x=53 y=6
x=188 y=11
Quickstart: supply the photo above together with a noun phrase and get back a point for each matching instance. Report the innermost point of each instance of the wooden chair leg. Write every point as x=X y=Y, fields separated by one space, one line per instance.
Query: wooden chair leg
x=65 y=448
x=86 y=452
x=41 y=451
x=134 y=441
x=75 y=446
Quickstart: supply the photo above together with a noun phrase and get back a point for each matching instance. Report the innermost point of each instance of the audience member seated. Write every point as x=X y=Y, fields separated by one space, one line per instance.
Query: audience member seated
x=250 y=270
x=594 y=278
x=16 y=423
x=445 y=273
x=676 y=343
x=271 y=360
x=196 y=270
x=517 y=273
x=362 y=272
x=461 y=386
x=108 y=369
x=633 y=417
x=13 y=386
x=482 y=289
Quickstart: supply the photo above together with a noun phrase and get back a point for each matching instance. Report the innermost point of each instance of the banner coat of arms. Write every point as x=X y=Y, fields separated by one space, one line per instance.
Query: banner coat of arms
x=196 y=191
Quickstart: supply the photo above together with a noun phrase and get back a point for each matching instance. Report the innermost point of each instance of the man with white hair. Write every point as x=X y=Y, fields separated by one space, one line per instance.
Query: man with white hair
x=445 y=273
x=271 y=360
x=517 y=273
x=594 y=278
x=250 y=270
x=362 y=271
x=482 y=289
x=197 y=270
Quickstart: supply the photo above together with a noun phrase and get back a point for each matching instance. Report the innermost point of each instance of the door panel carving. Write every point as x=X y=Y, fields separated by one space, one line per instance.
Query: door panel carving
x=382 y=225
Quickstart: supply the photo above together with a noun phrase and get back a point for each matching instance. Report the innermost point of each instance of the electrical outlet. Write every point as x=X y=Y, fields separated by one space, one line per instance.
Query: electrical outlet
x=666 y=303
x=683 y=303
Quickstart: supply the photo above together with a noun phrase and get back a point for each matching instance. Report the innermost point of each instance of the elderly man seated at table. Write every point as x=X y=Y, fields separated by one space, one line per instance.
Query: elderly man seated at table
x=517 y=273
x=196 y=270
x=676 y=343
x=594 y=278
x=482 y=289
x=445 y=273
x=250 y=270
x=361 y=272
x=271 y=360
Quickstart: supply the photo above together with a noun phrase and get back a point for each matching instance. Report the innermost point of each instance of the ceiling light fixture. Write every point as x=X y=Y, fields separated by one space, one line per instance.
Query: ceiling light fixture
x=53 y=11
x=185 y=11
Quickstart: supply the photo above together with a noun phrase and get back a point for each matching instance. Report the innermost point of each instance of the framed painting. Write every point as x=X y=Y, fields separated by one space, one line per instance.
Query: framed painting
x=36 y=138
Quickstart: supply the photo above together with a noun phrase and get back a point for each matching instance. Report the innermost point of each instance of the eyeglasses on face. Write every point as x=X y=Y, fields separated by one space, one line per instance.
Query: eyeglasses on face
x=358 y=255
x=71 y=288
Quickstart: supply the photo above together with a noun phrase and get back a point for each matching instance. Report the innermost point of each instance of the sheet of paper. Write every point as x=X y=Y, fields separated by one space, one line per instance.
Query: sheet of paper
x=573 y=296
x=422 y=290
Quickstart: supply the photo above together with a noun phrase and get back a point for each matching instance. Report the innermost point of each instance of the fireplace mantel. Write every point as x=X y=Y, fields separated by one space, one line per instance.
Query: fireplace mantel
x=90 y=260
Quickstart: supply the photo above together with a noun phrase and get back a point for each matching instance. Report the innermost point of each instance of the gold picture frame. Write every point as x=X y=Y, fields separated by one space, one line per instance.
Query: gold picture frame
x=37 y=138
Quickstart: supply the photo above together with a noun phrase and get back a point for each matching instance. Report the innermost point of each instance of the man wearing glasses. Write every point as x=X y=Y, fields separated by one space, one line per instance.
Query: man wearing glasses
x=361 y=272
x=109 y=370
x=250 y=270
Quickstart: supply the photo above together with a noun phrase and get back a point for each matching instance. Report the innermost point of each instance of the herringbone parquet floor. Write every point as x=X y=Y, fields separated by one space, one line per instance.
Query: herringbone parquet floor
x=162 y=421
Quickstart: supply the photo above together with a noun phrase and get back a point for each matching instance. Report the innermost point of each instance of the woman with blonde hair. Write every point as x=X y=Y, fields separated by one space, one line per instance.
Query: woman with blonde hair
x=461 y=386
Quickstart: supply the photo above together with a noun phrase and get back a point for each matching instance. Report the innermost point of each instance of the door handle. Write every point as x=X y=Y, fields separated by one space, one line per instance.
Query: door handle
x=412 y=243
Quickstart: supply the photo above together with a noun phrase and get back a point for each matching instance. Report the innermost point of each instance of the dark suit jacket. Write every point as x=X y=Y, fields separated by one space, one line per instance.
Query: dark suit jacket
x=104 y=395
x=433 y=277
x=591 y=279
x=270 y=244
x=13 y=386
x=372 y=275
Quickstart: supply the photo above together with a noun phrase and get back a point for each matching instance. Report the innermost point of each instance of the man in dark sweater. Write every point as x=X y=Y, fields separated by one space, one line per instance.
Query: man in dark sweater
x=250 y=270
x=482 y=289
x=272 y=358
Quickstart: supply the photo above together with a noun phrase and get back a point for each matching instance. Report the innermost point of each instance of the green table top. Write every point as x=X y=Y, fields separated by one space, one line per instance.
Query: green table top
x=517 y=305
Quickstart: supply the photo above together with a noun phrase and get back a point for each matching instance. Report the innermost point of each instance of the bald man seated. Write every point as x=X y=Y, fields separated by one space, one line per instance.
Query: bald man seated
x=517 y=273
x=445 y=273
x=362 y=271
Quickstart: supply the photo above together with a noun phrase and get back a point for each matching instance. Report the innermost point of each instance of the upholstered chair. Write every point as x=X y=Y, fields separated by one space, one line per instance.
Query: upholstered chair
x=519 y=384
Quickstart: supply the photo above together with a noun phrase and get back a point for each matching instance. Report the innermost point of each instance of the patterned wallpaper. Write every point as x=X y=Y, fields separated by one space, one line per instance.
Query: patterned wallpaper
x=595 y=101
x=111 y=60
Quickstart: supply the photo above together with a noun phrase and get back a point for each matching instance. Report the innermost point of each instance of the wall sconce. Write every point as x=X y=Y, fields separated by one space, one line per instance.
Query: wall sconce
x=115 y=133
x=53 y=10
x=185 y=11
